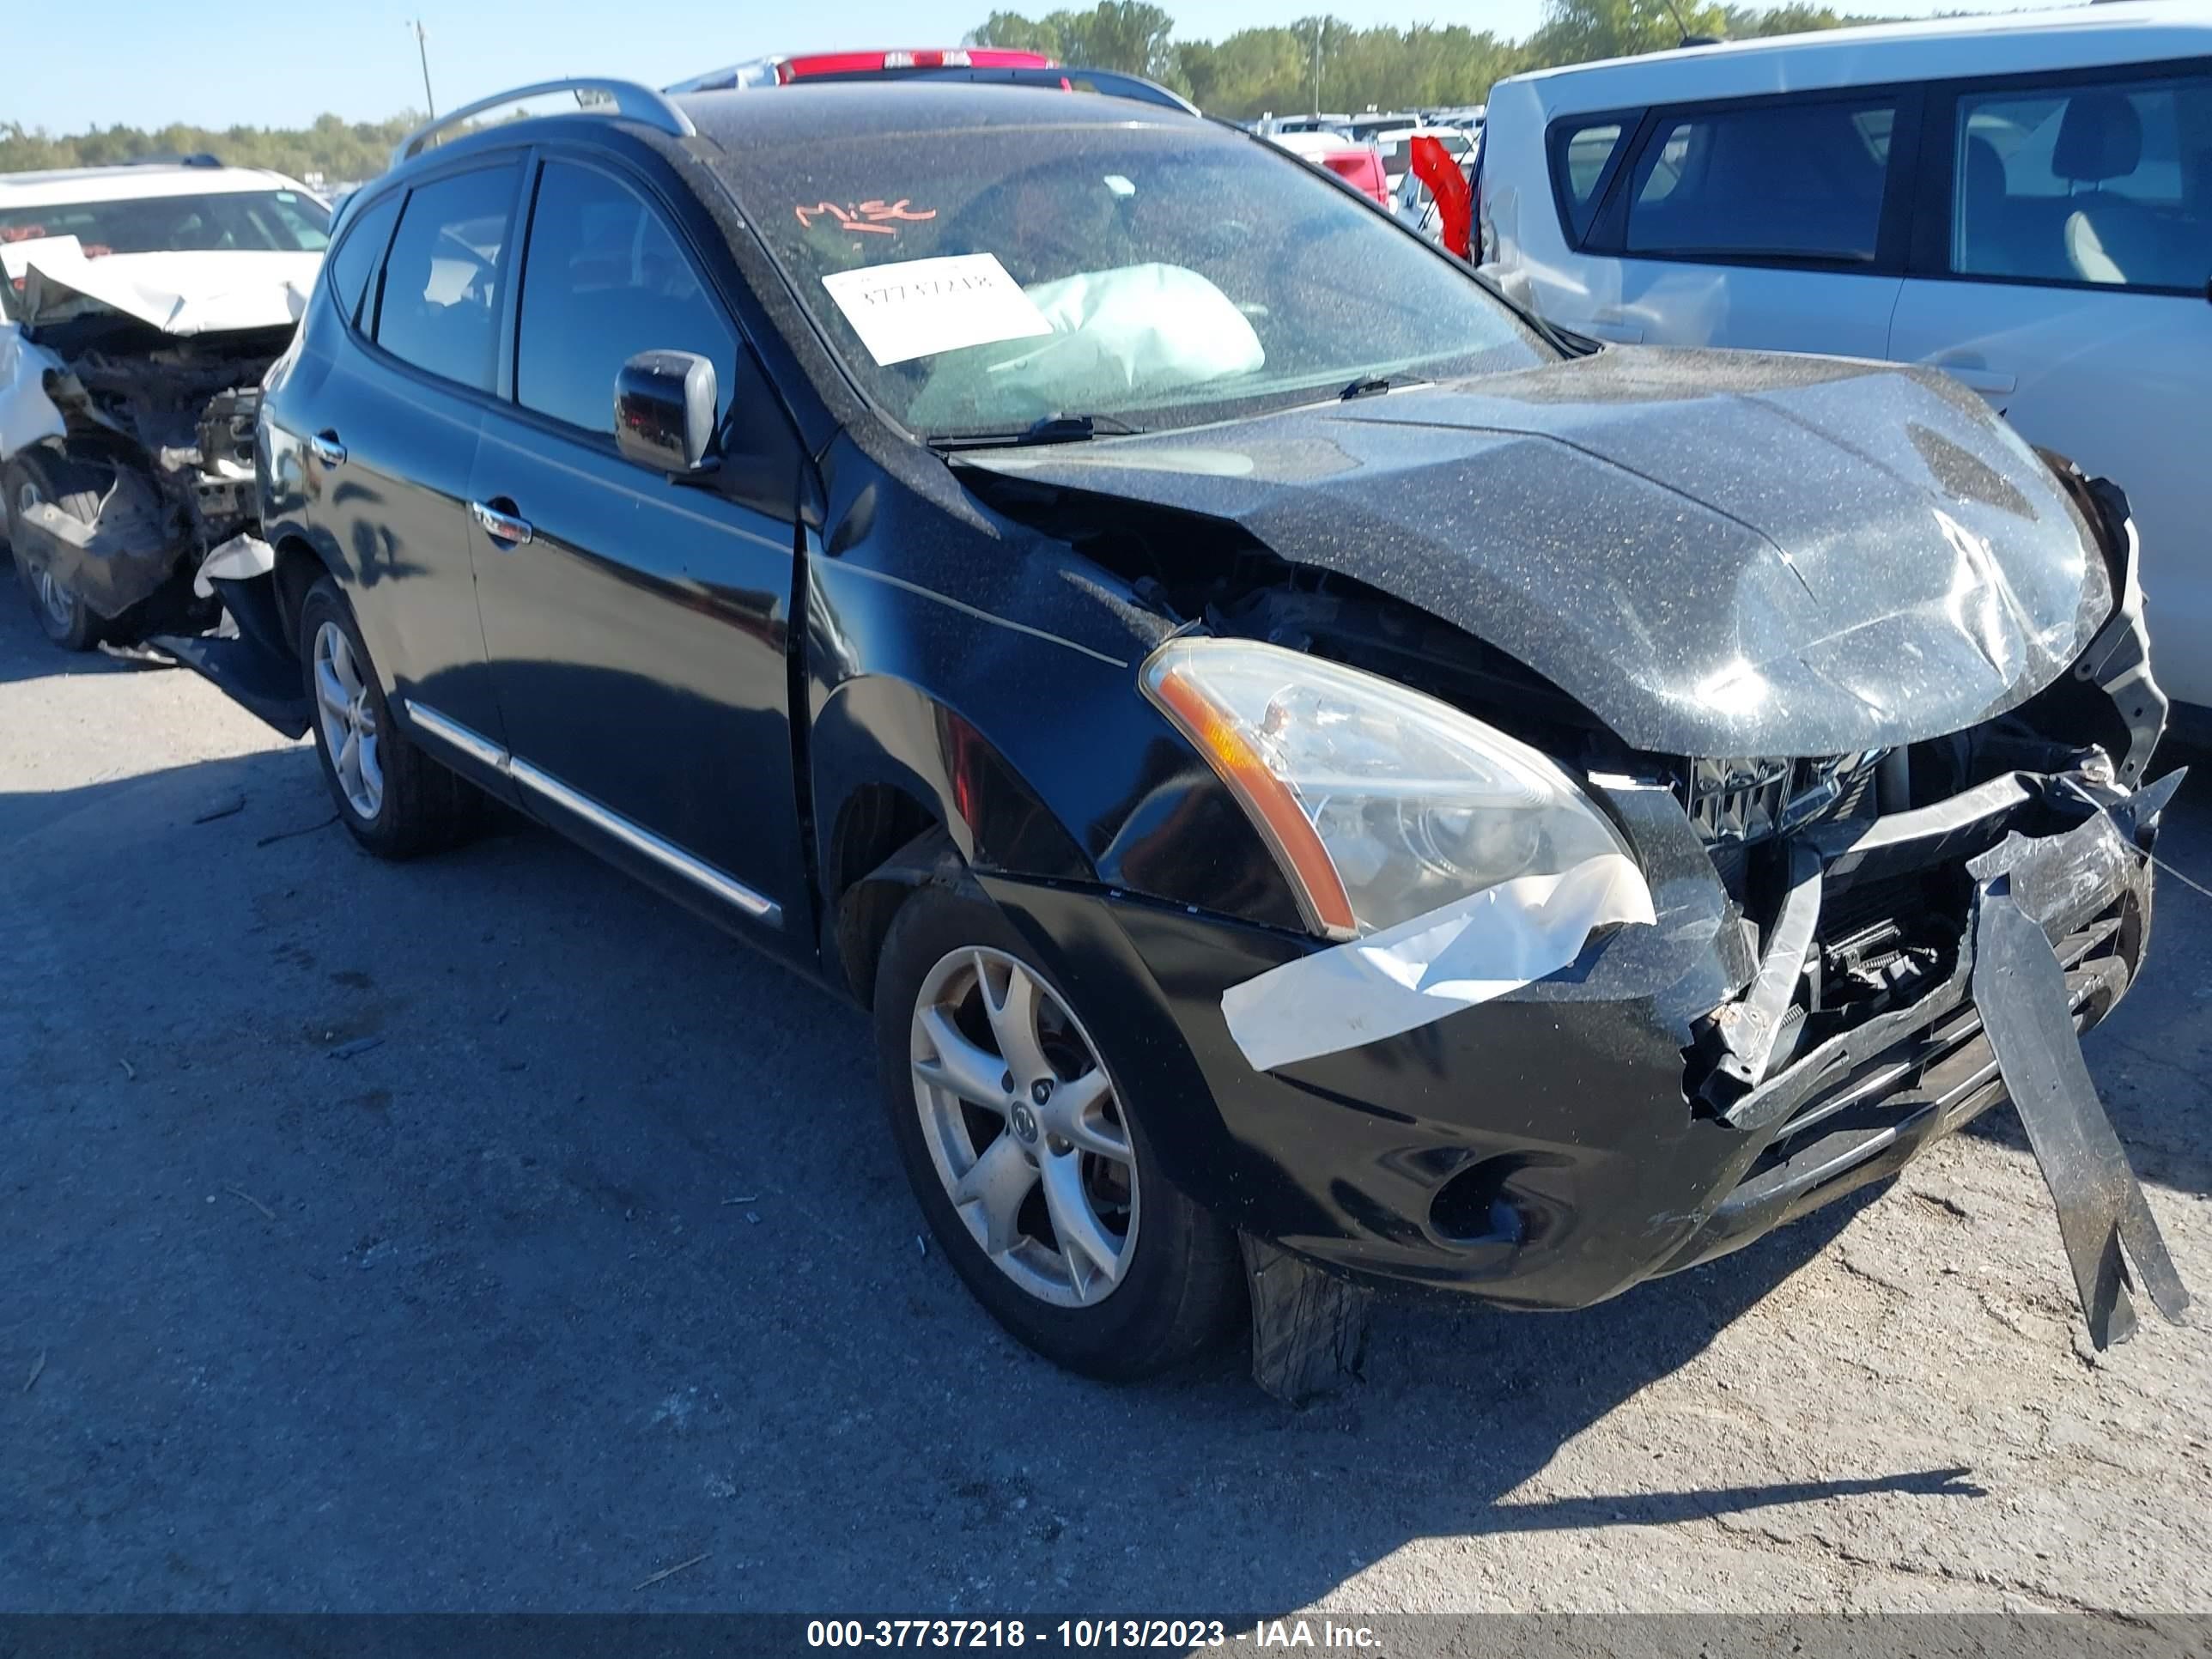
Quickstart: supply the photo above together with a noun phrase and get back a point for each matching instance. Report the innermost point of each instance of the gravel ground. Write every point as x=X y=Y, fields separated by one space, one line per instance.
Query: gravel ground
x=597 y=1261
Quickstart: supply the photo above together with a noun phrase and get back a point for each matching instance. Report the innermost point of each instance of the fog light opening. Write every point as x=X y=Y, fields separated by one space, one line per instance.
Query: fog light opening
x=1472 y=1207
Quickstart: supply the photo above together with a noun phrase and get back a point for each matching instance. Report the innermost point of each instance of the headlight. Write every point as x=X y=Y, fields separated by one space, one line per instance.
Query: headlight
x=1381 y=804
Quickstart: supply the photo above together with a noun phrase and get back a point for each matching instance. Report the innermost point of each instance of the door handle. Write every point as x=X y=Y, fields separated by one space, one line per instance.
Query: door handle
x=502 y=527
x=327 y=448
x=1973 y=375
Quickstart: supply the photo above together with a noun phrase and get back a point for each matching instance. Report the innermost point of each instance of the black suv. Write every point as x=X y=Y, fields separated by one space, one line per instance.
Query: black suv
x=1290 y=749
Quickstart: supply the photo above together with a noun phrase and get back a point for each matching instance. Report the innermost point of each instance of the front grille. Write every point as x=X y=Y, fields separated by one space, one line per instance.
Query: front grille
x=1907 y=899
x=1742 y=801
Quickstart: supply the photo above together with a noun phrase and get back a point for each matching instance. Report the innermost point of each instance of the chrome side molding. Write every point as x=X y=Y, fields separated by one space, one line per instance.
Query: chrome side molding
x=635 y=836
x=477 y=746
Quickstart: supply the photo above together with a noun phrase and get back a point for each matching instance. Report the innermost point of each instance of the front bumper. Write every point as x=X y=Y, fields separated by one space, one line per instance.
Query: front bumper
x=1542 y=1150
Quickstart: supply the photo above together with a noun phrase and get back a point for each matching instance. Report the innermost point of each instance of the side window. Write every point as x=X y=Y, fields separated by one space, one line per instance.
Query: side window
x=440 y=305
x=360 y=254
x=1580 y=151
x=2104 y=184
x=603 y=280
x=1790 y=182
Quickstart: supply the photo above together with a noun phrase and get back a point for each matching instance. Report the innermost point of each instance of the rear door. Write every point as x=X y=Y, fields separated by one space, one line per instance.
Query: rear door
x=389 y=466
x=1761 y=224
x=2061 y=270
x=638 y=637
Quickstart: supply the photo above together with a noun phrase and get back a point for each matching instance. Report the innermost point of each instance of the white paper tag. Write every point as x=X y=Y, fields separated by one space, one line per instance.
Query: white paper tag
x=919 y=306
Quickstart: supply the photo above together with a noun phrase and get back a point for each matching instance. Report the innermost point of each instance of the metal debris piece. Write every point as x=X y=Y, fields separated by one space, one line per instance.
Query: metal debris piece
x=38 y=1370
x=2021 y=989
x=1309 y=1328
x=669 y=1572
x=305 y=829
x=358 y=1046
x=237 y=1191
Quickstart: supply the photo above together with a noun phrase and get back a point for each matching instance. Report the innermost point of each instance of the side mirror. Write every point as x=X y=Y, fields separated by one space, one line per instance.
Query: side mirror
x=664 y=410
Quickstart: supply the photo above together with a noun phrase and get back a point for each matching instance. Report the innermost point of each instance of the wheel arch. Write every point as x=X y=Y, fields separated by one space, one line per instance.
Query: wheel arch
x=905 y=790
x=298 y=565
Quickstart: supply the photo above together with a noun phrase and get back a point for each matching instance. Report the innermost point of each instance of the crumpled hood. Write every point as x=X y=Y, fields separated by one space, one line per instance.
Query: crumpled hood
x=1716 y=553
x=182 y=293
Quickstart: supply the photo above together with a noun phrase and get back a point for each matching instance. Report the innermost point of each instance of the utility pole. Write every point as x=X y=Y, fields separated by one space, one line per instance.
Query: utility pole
x=1319 y=24
x=423 y=50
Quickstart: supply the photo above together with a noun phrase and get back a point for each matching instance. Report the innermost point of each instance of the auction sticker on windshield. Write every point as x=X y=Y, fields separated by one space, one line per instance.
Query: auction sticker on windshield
x=920 y=306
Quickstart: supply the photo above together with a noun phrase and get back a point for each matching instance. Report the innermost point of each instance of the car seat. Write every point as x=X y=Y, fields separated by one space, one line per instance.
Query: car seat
x=1988 y=231
x=2107 y=234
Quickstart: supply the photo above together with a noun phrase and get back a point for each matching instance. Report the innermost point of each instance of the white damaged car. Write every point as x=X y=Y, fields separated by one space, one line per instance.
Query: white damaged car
x=139 y=308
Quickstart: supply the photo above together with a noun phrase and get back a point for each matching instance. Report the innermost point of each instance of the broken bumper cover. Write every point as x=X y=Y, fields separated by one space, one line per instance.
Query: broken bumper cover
x=1539 y=1150
x=251 y=662
x=125 y=556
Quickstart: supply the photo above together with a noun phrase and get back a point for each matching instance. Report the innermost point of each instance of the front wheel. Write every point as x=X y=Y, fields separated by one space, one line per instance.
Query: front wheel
x=1027 y=1157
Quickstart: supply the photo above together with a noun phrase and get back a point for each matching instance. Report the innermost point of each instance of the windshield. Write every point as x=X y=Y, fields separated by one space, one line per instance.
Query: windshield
x=254 y=220
x=984 y=280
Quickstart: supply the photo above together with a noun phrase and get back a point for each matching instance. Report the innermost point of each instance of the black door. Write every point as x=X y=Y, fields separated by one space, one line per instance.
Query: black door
x=636 y=626
x=393 y=457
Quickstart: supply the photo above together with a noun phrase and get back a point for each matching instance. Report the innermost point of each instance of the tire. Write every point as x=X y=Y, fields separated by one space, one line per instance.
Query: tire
x=415 y=805
x=44 y=474
x=1179 y=1283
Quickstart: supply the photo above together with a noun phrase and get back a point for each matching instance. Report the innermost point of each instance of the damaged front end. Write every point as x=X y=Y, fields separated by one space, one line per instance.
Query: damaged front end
x=1931 y=927
x=1817 y=997
x=139 y=443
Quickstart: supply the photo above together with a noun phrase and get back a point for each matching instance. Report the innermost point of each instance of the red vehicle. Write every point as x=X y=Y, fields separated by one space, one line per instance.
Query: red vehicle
x=782 y=68
x=1357 y=163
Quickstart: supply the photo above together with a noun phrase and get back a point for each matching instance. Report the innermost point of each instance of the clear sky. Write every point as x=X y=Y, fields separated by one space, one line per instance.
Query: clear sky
x=281 y=62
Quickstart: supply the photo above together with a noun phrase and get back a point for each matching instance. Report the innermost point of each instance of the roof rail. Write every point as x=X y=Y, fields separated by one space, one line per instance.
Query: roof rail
x=634 y=103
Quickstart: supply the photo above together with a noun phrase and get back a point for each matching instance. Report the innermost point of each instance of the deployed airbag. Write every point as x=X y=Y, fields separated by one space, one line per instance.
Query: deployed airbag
x=1136 y=331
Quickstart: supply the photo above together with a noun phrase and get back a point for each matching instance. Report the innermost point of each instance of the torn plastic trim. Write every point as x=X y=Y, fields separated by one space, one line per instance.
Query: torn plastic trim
x=2117 y=660
x=2019 y=989
x=241 y=558
x=1748 y=1028
x=120 y=559
x=1469 y=952
x=2099 y=853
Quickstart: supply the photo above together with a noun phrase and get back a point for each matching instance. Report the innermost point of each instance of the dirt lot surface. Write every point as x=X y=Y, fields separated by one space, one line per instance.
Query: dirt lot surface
x=597 y=1261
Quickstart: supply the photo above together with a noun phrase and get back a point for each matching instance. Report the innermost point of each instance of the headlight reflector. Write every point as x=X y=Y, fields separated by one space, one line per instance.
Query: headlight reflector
x=1381 y=804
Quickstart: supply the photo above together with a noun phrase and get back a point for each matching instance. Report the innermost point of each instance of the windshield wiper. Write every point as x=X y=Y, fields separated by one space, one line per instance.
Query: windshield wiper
x=1368 y=385
x=1053 y=430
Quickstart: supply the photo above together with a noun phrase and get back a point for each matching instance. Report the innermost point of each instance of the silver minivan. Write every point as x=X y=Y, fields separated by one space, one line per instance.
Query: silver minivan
x=2022 y=200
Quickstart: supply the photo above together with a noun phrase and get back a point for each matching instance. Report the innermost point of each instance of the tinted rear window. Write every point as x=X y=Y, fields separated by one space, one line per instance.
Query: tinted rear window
x=360 y=254
x=1795 y=181
x=442 y=281
x=1580 y=148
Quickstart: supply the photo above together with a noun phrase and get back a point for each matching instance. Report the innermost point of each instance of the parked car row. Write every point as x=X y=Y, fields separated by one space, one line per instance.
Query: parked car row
x=1313 y=771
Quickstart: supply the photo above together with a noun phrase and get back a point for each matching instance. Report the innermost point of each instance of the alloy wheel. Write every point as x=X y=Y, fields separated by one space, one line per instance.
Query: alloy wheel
x=1024 y=1126
x=56 y=602
x=348 y=721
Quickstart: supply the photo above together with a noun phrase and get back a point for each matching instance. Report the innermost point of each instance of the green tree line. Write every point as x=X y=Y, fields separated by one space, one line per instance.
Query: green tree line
x=1278 y=67
x=1241 y=75
x=342 y=152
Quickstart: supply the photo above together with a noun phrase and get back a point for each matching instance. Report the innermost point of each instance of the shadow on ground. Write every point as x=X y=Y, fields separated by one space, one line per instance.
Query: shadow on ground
x=487 y=1233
